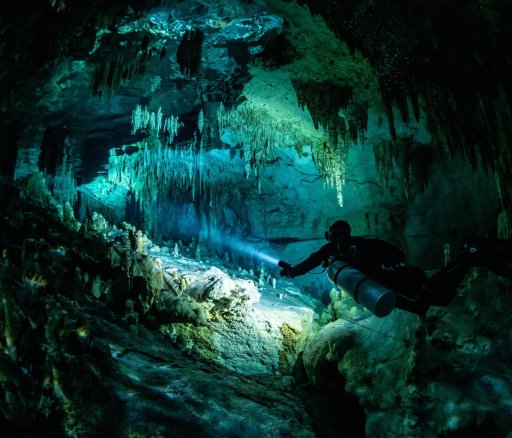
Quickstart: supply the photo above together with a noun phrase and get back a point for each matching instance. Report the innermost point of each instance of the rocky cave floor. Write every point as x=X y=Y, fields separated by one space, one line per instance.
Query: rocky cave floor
x=103 y=332
x=102 y=336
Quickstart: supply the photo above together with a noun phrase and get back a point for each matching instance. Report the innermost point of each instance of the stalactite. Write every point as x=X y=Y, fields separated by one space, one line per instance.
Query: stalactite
x=382 y=151
x=504 y=228
x=403 y=160
x=119 y=66
x=422 y=158
x=59 y=5
x=151 y=173
x=258 y=134
x=189 y=50
x=441 y=56
x=200 y=122
x=324 y=100
x=143 y=119
x=109 y=76
x=171 y=126
x=329 y=158
x=401 y=148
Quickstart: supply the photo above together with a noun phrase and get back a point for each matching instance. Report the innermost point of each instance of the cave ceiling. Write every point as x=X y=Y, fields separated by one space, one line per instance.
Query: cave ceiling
x=255 y=76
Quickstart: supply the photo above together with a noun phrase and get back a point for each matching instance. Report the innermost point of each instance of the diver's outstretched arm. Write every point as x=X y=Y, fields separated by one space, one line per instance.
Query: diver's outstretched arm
x=312 y=262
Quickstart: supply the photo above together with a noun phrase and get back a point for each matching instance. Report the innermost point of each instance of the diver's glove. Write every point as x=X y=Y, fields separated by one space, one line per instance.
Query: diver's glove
x=287 y=270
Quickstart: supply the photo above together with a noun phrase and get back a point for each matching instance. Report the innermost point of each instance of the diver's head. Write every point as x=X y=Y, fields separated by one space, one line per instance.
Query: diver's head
x=338 y=230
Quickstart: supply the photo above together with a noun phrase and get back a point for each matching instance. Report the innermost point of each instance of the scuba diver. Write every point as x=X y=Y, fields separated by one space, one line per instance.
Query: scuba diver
x=375 y=274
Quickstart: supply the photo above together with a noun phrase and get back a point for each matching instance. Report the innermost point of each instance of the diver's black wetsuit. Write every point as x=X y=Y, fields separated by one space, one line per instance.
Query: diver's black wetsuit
x=368 y=255
x=379 y=260
x=415 y=291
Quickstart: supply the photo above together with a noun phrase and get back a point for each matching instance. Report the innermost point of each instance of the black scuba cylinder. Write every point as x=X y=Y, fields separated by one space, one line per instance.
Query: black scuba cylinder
x=377 y=298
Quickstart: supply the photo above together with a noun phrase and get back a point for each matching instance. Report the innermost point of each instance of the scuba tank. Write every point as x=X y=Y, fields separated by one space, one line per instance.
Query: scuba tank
x=375 y=297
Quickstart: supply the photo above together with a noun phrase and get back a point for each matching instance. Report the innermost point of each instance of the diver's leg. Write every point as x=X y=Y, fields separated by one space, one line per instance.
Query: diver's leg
x=493 y=254
x=441 y=287
x=418 y=305
x=405 y=282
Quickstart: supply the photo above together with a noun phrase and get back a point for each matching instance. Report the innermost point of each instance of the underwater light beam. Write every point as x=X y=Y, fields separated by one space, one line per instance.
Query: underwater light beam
x=245 y=248
x=266 y=257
